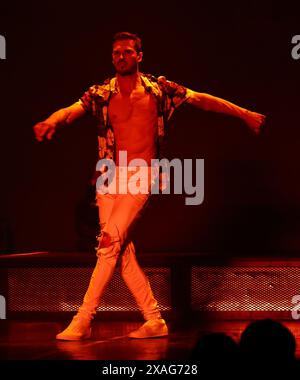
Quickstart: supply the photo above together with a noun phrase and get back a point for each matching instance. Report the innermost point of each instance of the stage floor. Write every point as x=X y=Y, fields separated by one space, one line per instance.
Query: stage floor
x=35 y=340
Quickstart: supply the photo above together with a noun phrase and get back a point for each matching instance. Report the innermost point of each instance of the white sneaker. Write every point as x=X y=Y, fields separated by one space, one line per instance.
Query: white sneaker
x=150 y=329
x=78 y=329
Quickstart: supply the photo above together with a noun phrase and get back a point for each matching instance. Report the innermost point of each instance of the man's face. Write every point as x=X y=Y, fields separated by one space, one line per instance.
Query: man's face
x=125 y=58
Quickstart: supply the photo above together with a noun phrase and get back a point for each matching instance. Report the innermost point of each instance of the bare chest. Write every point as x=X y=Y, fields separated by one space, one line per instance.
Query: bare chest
x=138 y=106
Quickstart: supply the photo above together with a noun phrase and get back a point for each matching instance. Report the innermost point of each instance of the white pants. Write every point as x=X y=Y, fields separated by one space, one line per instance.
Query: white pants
x=117 y=214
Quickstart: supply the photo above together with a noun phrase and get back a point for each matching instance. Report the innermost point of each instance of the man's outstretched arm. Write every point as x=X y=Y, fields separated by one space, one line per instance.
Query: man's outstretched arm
x=211 y=103
x=46 y=129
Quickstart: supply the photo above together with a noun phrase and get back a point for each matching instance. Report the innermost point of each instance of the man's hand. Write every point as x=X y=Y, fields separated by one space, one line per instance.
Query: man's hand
x=44 y=130
x=255 y=121
x=63 y=116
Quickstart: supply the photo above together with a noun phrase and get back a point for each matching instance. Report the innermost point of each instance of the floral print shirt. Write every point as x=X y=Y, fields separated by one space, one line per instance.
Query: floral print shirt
x=169 y=95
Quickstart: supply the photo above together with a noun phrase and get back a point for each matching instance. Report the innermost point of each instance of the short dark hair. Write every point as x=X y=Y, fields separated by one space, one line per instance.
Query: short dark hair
x=129 y=36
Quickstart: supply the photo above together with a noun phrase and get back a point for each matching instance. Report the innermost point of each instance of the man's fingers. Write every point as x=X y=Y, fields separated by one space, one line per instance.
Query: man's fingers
x=262 y=122
x=37 y=133
x=50 y=133
x=43 y=131
x=41 y=135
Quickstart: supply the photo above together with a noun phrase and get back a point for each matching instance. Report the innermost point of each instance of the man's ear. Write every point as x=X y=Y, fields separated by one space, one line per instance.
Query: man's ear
x=140 y=56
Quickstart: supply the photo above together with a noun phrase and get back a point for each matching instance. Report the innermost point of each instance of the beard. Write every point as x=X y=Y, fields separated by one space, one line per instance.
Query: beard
x=124 y=69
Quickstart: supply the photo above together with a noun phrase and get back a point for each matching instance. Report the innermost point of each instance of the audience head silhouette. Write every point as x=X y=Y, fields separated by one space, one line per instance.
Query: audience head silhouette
x=267 y=344
x=217 y=354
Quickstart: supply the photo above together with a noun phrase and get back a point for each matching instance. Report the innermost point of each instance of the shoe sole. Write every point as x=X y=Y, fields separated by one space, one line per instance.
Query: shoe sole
x=148 y=337
x=72 y=339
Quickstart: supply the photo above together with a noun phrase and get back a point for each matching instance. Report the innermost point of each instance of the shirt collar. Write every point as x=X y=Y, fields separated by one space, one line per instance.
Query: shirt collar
x=114 y=86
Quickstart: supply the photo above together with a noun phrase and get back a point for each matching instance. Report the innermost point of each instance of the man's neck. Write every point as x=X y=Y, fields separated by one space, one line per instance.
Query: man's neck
x=128 y=83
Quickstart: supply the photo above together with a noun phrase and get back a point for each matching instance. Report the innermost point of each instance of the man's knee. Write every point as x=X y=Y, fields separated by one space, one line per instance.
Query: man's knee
x=109 y=247
x=105 y=240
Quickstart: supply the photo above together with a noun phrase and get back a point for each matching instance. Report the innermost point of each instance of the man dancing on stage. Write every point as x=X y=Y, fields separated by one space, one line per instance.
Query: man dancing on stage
x=132 y=110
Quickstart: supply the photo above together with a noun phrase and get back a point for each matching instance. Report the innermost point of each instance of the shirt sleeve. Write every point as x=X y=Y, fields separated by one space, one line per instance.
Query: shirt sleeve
x=177 y=94
x=88 y=99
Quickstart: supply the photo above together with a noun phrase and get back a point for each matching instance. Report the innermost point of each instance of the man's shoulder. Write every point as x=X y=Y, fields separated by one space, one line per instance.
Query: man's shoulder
x=150 y=77
x=100 y=88
x=155 y=80
x=163 y=83
x=152 y=82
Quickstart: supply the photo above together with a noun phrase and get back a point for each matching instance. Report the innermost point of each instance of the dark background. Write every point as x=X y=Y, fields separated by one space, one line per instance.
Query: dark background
x=237 y=51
